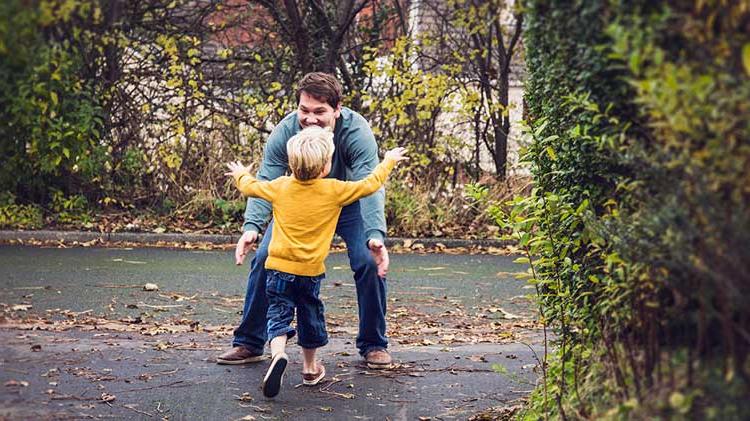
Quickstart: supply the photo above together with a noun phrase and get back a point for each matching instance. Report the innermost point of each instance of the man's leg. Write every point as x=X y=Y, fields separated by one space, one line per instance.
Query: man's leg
x=250 y=335
x=371 y=289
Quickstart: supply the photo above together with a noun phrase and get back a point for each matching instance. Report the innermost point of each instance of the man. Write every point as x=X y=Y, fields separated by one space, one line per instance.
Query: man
x=361 y=225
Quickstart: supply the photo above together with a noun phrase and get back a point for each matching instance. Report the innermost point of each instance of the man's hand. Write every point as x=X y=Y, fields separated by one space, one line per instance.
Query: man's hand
x=243 y=246
x=380 y=254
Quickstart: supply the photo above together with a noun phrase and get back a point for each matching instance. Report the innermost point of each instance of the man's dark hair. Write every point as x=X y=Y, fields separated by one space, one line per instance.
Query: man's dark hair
x=322 y=86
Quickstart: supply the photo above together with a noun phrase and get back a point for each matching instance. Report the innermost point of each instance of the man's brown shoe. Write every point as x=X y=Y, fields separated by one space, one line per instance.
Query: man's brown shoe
x=239 y=355
x=378 y=359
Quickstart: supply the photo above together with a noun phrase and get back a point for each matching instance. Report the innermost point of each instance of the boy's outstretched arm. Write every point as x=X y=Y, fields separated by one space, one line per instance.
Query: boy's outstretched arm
x=350 y=191
x=246 y=183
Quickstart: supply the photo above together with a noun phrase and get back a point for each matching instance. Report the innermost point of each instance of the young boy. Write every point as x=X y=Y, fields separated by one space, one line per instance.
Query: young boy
x=306 y=208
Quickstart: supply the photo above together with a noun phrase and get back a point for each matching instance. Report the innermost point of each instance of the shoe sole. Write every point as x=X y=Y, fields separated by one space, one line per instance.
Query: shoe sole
x=242 y=361
x=380 y=366
x=274 y=376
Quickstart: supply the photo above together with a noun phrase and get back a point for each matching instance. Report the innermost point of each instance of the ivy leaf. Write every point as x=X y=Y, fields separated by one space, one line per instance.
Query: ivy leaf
x=551 y=153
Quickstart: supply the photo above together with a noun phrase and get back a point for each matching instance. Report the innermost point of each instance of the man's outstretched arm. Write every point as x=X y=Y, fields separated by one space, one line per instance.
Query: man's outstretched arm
x=363 y=158
x=258 y=211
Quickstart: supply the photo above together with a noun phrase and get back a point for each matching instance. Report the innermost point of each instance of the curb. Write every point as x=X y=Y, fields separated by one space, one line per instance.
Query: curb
x=218 y=239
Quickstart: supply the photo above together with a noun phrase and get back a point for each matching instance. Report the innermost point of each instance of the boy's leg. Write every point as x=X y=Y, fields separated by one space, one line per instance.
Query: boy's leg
x=371 y=288
x=311 y=326
x=280 y=293
x=311 y=321
x=250 y=335
x=279 y=289
x=312 y=370
x=275 y=374
x=309 y=365
x=278 y=345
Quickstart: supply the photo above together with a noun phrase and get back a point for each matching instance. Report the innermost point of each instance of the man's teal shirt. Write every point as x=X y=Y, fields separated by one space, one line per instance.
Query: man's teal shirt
x=355 y=157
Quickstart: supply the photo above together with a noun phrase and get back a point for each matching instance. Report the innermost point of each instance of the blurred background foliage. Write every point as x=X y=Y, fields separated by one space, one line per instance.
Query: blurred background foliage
x=126 y=111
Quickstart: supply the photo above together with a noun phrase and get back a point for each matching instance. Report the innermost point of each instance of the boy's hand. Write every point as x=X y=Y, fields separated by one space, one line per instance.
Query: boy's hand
x=397 y=154
x=236 y=169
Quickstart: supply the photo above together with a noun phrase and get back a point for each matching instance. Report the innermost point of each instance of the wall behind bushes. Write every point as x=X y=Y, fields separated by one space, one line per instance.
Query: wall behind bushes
x=637 y=224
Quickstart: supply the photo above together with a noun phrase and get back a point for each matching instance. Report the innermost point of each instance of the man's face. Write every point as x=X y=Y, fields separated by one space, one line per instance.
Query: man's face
x=312 y=112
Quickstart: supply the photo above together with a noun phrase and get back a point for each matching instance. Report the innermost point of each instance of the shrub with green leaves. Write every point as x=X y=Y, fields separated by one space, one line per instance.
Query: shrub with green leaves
x=51 y=119
x=13 y=215
x=637 y=225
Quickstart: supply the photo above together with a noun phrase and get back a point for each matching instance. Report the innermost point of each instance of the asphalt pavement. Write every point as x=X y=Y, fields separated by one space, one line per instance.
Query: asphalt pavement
x=81 y=338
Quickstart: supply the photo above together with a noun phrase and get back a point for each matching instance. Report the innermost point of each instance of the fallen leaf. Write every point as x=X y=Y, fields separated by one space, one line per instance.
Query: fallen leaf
x=52 y=372
x=151 y=287
x=16 y=383
x=161 y=346
x=245 y=397
x=106 y=397
x=21 y=307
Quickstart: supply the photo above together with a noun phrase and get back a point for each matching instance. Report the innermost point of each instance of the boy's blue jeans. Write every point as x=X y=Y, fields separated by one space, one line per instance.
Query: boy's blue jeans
x=287 y=292
x=371 y=289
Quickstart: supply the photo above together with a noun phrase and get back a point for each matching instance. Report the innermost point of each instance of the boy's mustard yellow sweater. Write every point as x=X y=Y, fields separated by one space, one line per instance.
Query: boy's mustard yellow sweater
x=305 y=215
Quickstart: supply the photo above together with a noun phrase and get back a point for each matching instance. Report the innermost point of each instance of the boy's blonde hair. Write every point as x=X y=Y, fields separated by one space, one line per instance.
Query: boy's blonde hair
x=309 y=151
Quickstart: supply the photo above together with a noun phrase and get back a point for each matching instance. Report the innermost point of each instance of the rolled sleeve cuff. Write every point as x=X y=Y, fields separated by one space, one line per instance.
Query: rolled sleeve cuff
x=375 y=235
x=249 y=226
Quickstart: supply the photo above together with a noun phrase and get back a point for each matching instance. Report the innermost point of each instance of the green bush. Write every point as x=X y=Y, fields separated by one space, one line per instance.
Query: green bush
x=51 y=119
x=70 y=209
x=13 y=215
x=636 y=227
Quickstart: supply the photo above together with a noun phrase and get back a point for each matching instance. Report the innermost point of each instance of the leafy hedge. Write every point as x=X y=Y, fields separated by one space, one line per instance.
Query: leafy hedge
x=638 y=223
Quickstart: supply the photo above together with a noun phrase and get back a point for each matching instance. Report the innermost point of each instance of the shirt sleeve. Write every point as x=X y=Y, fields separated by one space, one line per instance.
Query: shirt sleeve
x=252 y=187
x=362 y=157
x=275 y=164
x=350 y=191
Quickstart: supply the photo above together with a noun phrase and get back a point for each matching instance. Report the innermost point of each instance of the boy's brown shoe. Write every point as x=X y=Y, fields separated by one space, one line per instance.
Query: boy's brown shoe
x=311 y=379
x=379 y=359
x=239 y=355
